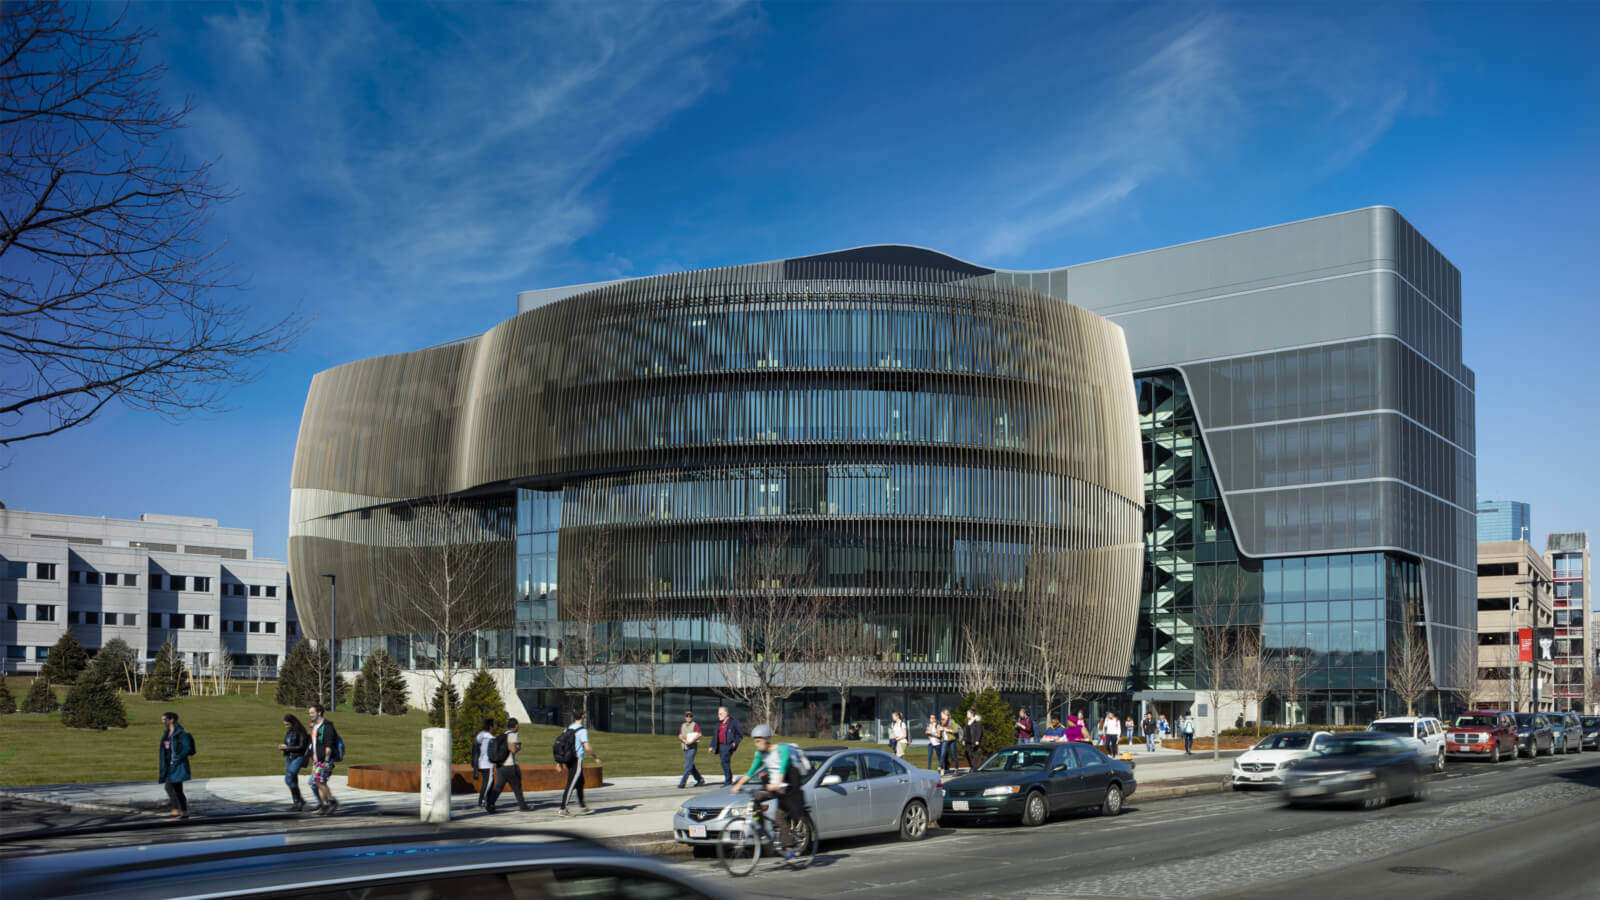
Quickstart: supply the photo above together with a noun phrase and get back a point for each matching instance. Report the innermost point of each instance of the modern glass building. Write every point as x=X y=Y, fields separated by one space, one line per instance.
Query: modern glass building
x=1504 y=520
x=1309 y=422
x=1305 y=419
x=913 y=436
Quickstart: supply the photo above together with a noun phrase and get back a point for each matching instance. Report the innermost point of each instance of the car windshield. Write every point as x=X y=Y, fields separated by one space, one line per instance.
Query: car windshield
x=1291 y=740
x=1359 y=746
x=1476 y=721
x=1591 y=721
x=1017 y=761
x=1401 y=728
x=1524 y=720
x=818 y=759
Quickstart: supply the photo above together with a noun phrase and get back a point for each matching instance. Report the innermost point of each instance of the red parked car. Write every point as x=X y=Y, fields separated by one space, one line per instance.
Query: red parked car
x=1482 y=734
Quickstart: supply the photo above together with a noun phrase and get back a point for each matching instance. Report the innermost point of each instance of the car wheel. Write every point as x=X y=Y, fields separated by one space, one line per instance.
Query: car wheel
x=1494 y=753
x=1438 y=763
x=1376 y=796
x=1419 y=789
x=914 y=821
x=1112 y=805
x=1034 y=811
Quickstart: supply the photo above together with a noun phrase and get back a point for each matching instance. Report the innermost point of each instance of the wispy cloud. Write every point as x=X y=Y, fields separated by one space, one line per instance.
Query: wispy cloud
x=427 y=158
x=1198 y=90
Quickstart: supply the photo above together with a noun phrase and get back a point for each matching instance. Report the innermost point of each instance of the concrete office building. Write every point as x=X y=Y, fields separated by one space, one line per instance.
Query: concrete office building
x=1567 y=554
x=1504 y=520
x=147 y=581
x=1307 y=426
x=1513 y=594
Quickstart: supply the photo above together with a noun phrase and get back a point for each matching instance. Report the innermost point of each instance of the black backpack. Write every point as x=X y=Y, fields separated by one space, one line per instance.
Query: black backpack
x=499 y=750
x=565 y=749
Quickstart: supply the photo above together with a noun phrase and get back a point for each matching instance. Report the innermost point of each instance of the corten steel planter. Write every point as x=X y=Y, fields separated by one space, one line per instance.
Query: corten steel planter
x=407 y=779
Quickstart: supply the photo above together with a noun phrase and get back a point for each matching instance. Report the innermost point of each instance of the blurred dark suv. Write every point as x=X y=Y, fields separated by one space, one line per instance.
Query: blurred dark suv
x=1482 y=734
x=1534 y=734
x=1591 y=732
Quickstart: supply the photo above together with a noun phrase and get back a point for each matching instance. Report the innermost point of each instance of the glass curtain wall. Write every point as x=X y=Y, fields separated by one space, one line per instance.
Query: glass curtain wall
x=1337 y=612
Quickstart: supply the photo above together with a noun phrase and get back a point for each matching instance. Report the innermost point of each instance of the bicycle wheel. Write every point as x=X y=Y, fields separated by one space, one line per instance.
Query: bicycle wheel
x=740 y=846
x=804 y=834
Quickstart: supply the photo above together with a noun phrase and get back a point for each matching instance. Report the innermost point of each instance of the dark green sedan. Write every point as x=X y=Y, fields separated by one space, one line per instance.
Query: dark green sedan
x=1030 y=782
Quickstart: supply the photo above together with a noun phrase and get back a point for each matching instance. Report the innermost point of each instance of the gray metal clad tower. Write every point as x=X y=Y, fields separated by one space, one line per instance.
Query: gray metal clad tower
x=1323 y=360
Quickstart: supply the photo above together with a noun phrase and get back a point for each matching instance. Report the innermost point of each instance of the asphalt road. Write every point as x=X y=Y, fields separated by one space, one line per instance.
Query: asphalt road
x=1528 y=828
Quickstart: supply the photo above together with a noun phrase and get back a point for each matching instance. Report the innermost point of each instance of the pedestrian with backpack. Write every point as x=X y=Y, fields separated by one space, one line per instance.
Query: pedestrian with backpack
x=326 y=749
x=503 y=754
x=1188 y=734
x=482 y=765
x=570 y=750
x=172 y=765
x=295 y=741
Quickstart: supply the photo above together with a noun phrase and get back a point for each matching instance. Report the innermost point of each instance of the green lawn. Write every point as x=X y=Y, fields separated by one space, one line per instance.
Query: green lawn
x=239 y=735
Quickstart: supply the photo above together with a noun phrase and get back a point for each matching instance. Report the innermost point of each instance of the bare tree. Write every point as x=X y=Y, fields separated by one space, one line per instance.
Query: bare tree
x=1048 y=615
x=109 y=286
x=1290 y=669
x=443 y=580
x=258 y=671
x=590 y=653
x=650 y=661
x=771 y=622
x=982 y=668
x=1218 y=639
x=1250 y=672
x=1409 y=674
x=851 y=652
x=221 y=669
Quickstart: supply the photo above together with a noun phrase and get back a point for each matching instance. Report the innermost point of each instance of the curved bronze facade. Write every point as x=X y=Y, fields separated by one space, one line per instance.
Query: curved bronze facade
x=918 y=429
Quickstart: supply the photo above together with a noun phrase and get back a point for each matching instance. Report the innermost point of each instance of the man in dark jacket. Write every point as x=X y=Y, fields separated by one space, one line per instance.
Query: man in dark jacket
x=172 y=765
x=324 y=751
x=974 y=738
x=725 y=738
x=1149 y=728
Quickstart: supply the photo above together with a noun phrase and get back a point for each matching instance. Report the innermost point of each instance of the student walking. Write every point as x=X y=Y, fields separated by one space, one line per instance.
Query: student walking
x=898 y=734
x=1110 y=731
x=1166 y=727
x=725 y=740
x=935 y=755
x=326 y=749
x=1188 y=734
x=689 y=737
x=1025 y=726
x=574 y=763
x=296 y=740
x=974 y=738
x=482 y=765
x=507 y=772
x=1150 y=729
x=172 y=764
x=950 y=738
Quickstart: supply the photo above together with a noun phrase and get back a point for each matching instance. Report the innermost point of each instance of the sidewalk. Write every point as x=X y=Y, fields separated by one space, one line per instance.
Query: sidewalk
x=635 y=812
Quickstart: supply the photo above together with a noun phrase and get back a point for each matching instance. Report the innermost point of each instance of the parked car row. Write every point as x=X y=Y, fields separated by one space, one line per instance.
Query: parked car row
x=1394 y=757
x=853 y=791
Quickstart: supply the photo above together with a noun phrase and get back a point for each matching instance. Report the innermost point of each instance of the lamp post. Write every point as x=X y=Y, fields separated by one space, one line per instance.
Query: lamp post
x=333 y=649
x=1516 y=650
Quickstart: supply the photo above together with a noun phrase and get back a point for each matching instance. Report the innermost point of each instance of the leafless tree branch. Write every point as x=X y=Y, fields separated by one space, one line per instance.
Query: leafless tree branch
x=110 y=289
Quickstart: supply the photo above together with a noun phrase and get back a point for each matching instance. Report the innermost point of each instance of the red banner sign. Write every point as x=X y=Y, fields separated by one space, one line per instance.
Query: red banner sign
x=1524 y=645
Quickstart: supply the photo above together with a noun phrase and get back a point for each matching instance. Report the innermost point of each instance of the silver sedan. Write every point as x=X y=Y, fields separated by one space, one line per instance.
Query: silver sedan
x=849 y=791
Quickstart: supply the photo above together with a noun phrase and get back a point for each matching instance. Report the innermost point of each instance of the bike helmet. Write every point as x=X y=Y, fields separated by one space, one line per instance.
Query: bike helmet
x=761 y=731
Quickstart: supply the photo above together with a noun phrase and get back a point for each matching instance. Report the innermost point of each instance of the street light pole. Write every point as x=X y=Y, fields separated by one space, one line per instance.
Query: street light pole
x=1512 y=662
x=1535 y=581
x=333 y=648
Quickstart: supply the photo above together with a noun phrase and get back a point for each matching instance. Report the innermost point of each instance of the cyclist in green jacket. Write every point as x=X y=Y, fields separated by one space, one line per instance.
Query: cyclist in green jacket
x=783 y=781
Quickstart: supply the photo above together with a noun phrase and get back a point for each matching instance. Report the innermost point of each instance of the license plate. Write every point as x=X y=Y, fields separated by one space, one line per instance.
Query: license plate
x=1256 y=776
x=697 y=831
x=959 y=805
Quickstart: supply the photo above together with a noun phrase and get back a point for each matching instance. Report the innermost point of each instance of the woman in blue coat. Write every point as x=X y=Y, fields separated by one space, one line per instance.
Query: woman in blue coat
x=173 y=763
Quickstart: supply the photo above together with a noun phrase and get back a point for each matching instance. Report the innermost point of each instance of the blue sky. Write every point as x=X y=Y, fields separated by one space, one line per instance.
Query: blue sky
x=404 y=170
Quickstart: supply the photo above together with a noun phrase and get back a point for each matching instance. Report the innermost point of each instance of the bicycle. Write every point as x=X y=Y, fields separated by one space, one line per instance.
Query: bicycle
x=744 y=837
